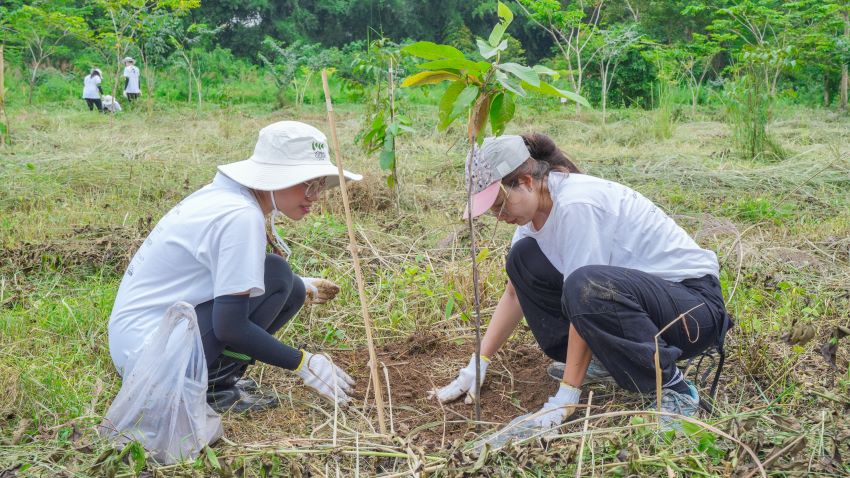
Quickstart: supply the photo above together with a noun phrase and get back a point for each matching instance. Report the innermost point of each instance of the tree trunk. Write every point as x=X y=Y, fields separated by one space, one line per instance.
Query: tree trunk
x=32 y=80
x=844 y=79
x=5 y=133
x=825 y=89
x=604 y=74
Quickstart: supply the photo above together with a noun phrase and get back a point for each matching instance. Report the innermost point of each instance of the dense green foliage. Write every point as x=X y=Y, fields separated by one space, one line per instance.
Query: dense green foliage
x=263 y=51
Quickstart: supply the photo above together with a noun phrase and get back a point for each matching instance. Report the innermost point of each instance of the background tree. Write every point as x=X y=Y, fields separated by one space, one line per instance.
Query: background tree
x=572 y=28
x=612 y=44
x=42 y=32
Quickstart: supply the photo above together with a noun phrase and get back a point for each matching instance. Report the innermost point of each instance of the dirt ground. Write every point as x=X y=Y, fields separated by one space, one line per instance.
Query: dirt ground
x=516 y=383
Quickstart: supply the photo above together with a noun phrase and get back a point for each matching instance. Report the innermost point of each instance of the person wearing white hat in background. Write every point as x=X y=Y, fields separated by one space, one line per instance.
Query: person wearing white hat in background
x=110 y=104
x=92 y=90
x=210 y=251
x=131 y=79
x=597 y=270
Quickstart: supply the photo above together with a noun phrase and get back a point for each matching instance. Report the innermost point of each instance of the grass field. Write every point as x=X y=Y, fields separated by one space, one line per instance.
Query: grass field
x=81 y=190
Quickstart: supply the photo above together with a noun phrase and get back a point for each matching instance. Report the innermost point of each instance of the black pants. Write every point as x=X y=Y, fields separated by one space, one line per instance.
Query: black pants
x=94 y=103
x=618 y=312
x=132 y=97
x=283 y=298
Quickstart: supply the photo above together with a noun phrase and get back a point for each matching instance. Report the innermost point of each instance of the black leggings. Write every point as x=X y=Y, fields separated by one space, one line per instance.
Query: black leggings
x=94 y=103
x=282 y=299
x=618 y=312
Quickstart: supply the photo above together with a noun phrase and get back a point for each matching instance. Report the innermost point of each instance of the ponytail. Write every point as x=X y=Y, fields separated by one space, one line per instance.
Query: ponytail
x=545 y=158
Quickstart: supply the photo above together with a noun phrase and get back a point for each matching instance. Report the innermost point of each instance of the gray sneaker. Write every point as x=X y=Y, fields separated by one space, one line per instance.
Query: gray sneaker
x=596 y=372
x=679 y=403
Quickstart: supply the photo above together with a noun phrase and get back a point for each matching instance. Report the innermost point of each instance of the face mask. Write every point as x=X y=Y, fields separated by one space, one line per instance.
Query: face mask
x=278 y=240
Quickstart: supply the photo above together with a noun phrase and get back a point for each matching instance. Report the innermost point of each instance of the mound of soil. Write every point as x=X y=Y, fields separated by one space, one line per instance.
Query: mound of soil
x=516 y=383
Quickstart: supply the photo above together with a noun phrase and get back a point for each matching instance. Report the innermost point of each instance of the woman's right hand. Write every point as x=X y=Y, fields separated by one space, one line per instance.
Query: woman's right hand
x=463 y=384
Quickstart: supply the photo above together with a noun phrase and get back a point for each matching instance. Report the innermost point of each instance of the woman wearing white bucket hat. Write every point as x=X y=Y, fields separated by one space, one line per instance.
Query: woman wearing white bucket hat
x=210 y=251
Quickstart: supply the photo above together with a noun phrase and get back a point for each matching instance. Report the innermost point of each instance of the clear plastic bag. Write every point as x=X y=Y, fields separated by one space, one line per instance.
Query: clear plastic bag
x=162 y=403
x=520 y=428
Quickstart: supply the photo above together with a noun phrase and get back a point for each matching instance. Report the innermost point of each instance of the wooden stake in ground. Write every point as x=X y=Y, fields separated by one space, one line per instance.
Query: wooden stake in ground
x=352 y=246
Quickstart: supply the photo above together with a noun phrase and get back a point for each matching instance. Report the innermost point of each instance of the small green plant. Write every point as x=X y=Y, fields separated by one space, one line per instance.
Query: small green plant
x=384 y=124
x=748 y=108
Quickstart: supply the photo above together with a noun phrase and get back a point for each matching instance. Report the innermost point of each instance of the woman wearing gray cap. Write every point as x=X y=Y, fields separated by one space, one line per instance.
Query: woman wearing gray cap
x=597 y=270
x=210 y=251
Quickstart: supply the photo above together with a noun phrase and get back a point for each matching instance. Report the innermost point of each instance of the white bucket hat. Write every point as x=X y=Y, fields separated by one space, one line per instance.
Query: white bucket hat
x=129 y=59
x=287 y=153
x=107 y=100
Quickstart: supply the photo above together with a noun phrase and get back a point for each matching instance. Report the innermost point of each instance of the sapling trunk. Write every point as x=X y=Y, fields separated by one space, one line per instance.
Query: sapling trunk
x=358 y=273
x=396 y=185
x=475 y=297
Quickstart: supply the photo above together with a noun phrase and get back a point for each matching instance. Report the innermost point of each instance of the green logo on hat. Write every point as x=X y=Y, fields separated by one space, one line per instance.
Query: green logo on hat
x=319 y=150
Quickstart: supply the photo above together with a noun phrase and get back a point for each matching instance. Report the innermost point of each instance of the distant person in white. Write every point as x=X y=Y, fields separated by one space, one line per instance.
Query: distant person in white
x=110 y=104
x=131 y=79
x=92 y=90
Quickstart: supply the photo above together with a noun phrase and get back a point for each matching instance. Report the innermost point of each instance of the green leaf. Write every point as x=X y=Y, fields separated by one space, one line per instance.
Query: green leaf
x=547 y=89
x=432 y=51
x=505 y=13
x=449 y=307
x=488 y=50
x=386 y=159
x=483 y=254
x=447 y=103
x=524 y=73
x=509 y=84
x=428 y=78
x=212 y=458
x=542 y=70
x=501 y=112
x=464 y=99
x=506 y=16
x=455 y=64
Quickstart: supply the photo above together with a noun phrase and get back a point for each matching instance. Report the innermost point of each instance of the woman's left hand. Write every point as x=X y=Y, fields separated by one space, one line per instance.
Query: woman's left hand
x=556 y=409
x=319 y=291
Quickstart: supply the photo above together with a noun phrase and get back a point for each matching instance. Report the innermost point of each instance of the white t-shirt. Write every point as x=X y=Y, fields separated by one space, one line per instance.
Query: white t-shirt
x=131 y=72
x=90 y=90
x=210 y=244
x=599 y=222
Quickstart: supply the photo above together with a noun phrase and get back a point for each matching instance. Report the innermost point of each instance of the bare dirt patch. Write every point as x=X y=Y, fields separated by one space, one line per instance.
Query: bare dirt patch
x=516 y=383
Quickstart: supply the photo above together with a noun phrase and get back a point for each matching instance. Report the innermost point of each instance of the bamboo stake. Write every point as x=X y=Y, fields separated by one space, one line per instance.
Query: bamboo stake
x=373 y=357
x=473 y=252
x=391 y=86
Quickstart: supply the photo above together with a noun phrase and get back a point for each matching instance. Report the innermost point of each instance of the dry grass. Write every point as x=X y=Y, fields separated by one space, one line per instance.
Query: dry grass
x=95 y=185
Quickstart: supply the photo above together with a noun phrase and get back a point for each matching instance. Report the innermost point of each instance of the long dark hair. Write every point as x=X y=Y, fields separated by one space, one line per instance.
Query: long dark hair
x=545 y=158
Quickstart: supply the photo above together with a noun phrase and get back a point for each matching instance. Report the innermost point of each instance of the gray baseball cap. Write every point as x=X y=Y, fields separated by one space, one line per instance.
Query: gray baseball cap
x=497 y=157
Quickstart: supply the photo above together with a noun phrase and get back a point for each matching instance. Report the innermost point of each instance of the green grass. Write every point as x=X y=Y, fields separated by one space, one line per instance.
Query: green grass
x=81 y=190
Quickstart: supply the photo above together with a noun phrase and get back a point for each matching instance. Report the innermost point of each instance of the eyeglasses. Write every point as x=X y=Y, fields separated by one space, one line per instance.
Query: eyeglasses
x=314 y=187
x=496 y=210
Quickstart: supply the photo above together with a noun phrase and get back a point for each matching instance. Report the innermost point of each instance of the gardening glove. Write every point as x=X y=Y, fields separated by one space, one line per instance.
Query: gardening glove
x=556 y=409
x=319 y=291
x=464 y=383
x=323 y=376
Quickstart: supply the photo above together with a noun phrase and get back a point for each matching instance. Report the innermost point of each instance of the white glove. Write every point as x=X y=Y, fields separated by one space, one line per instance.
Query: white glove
x=464 y=383
x=319 y=291
x=320 y=374
x=556 y=409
